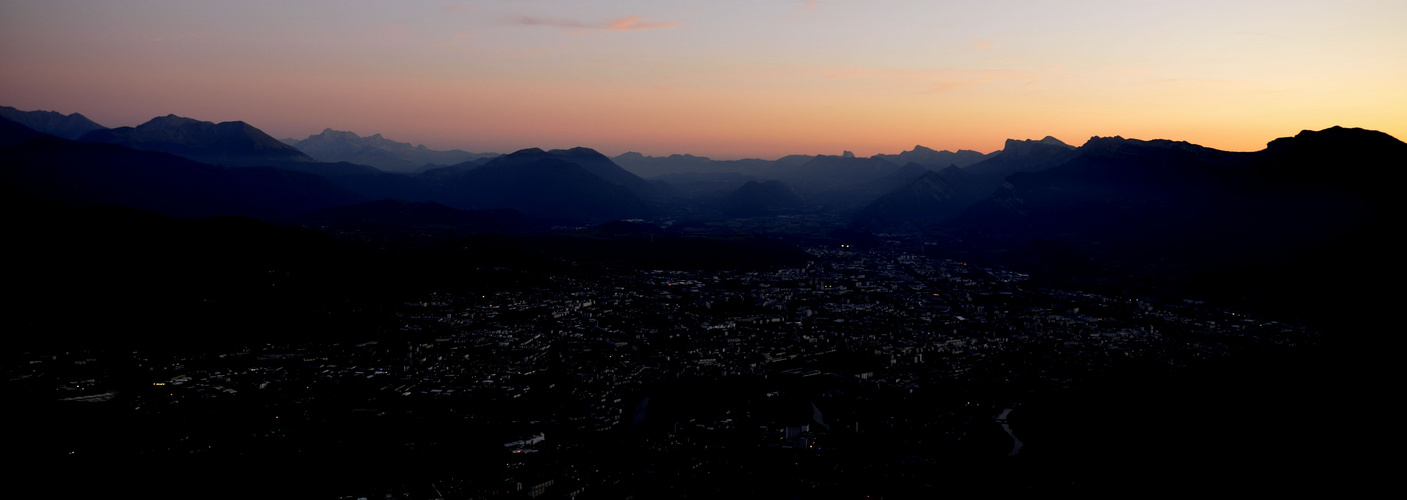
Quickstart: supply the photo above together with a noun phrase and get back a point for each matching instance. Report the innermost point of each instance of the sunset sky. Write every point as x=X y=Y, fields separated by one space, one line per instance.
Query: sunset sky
x=723 y=78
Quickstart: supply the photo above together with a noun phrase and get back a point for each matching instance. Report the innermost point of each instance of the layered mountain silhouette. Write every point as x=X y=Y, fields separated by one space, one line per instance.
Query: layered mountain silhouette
x=926 y=200
x=106 y=174
x=844 y=184
x=653 y=166
x=590 y=160
x=376 y=151
x=950 y=191
x=12 y=133
x=121 y=166
x=1111 y=195
x=660 y=166
x=829 y=173
x=937 y=160
x=1129 y=197
x=572 y=183
x=840 y=183
x=234 y=144
x=71 y=126
x=981 y=179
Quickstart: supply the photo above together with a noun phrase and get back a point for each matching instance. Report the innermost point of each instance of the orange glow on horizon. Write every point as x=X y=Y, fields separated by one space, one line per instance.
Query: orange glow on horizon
x=725 y=85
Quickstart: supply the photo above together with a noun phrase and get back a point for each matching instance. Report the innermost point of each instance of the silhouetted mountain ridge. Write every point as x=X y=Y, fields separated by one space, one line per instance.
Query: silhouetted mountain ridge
x=547 y=183
x=1178 y=200
x=936 y=160
x=85 y=173
x=228 y=143
x=12 y=133
x=71 y=126
x=960 y=187
x=380 y=152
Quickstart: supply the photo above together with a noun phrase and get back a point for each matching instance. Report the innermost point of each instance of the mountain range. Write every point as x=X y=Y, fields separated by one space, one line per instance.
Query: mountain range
x=105 y=174
x=937 y=160
x=1110 y=196
x=947 y=193
x=557 y=183
x=340 y=146
x=71 y=126
x=234 y=144
x=1165 y=199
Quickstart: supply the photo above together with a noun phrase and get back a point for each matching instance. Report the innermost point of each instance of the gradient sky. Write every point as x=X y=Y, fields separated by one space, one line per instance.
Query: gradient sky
x=722 y=78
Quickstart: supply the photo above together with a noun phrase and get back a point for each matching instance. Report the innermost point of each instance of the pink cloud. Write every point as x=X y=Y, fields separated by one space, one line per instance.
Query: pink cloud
x=632 y=23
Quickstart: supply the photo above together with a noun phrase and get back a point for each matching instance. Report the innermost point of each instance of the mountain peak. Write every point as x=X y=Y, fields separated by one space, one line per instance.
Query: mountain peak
x=1336 y=133
x=233 y=143
x=1310 y=149
x=170 y=120
x=71 y=126
x=329 y=133
x=378 y=151
x=1022 y=148
x=932 y=158
x=1098 y=139
x=578 y=151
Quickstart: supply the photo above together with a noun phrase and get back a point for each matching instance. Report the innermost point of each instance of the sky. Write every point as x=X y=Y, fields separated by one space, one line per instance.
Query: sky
x=723 y=78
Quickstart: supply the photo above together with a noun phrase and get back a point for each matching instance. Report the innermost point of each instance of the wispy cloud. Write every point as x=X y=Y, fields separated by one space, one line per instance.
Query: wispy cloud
x=982 y=45
x=632 y=23
x=810 y=4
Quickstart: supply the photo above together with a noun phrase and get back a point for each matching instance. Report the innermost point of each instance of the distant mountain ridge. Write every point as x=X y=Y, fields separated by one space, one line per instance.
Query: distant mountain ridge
x=949 y=192
x=377 y=151
x=1171 y=198
x=107 y=174
x=1112 y=190
x=573 y=183
x=657 y=166
x=228 y=143
x=12 y=133
x=937 y=160
x=138 y=169
x=71 y=126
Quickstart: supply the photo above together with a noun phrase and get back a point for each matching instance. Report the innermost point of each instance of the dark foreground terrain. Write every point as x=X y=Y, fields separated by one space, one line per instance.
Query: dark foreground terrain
x=227 y=357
